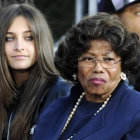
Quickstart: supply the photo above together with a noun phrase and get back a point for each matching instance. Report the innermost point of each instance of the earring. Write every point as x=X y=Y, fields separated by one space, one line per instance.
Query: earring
x=123 y=76
x=74 y=76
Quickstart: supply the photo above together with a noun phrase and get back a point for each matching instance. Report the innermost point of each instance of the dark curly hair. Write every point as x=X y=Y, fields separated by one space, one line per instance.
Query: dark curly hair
x=102 y=26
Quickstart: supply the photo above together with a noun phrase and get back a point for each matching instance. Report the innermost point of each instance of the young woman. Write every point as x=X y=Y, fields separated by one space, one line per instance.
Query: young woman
x=29 y=80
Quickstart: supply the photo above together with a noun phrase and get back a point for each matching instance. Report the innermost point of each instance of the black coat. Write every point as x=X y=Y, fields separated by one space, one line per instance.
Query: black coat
x=55 y=88
x=51 y=90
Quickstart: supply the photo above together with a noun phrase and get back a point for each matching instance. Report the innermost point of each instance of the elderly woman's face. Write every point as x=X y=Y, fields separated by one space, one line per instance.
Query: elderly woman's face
x=99 y=71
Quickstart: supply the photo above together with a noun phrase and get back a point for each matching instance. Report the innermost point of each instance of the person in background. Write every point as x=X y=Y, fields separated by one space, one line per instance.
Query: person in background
x=29 y=80
x=129 y=13
x=100 y=106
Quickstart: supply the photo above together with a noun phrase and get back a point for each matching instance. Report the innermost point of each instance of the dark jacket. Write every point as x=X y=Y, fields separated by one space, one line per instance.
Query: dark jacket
x=51 y=90
x=119 y=120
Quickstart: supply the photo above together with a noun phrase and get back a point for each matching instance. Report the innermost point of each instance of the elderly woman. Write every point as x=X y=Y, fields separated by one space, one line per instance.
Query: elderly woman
x=98 y=52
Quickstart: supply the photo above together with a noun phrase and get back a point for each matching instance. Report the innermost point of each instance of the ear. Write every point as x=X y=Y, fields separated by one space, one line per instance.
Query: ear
x=123 y=76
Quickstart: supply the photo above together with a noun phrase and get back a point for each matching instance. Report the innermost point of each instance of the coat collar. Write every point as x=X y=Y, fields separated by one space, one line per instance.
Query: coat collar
x=76 y=91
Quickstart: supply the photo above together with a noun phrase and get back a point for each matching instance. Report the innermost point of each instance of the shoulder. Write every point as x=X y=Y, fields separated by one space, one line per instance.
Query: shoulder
x=127 y=103
x=58 y=84
x=50 y=116
x=128 y=97
x=132 y=102
x=133 y=97
x=58 y=87
x=59 y=81
x=128 y=93
x=132 y=107
x=57 y=107
x=124 y=108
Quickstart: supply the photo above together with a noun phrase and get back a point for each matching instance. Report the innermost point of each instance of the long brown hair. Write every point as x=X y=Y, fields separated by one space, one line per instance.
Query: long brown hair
x=42 y=70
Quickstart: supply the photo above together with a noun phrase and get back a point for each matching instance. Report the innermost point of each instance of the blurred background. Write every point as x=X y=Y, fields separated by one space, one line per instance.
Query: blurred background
x=62 y=14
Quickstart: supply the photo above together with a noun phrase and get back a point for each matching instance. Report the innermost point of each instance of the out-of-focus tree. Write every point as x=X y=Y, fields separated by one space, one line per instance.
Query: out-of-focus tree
x=59 y=13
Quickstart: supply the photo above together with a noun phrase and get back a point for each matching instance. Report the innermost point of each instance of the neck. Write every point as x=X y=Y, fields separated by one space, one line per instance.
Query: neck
x=20 y=76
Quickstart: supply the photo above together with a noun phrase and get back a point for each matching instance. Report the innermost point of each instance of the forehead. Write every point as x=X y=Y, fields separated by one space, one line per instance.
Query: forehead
x=19 y=23
x=132 y=7
x=100 y=45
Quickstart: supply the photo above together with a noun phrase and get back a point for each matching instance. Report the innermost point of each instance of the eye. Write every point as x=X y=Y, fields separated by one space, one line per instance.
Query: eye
x=86 y=58
x=8 y=39
x=108 y=59
x=29 y=38
x=137 y=13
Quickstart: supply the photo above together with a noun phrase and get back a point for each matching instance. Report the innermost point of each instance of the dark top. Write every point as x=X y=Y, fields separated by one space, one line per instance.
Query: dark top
x=119 y=120
x=53 y=89
x=83 y=114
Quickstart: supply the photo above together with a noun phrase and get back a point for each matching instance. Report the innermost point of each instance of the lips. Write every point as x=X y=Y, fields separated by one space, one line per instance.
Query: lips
x=97 y=81
x=19 y=56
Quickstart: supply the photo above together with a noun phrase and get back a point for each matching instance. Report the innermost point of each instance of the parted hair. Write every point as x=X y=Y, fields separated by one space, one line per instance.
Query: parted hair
x=5 y=3
x=101 y=26
x=42 y=70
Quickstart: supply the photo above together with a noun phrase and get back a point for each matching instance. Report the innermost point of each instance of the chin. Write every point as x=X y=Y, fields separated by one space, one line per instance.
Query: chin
x=94 y=98
x=96 y=90
x=20 y=68
x=95 y=95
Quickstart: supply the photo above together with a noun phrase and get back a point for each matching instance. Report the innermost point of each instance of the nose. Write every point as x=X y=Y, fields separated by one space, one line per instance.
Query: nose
x=98 y=68
x=19 y=45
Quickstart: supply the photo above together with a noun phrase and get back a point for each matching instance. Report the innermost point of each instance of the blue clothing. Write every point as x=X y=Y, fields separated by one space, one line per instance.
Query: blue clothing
x=84 y=112
x=119 y=120
x=127 y=83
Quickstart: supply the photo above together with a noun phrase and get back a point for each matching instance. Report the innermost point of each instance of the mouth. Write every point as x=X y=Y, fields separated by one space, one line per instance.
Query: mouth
x=97 y=81
x=19 y=56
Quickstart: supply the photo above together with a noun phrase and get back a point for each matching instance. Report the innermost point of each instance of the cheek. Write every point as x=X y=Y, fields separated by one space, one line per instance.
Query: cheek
x=7 y=51
x=114 y=75
x=32 y=52
x=128 y=21
x=83 y=74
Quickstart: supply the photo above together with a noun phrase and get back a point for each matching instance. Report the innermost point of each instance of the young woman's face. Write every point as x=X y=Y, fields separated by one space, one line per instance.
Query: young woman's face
x=19 y=45
x=99 y=78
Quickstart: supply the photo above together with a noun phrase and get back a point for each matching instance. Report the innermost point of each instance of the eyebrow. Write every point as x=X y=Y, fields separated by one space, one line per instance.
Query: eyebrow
x=28 y=31
x=136 y=6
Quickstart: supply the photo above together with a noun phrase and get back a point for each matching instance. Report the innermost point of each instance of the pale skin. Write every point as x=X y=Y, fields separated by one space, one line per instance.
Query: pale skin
x=20 y=49
x=99 y=90
x=130 y=17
